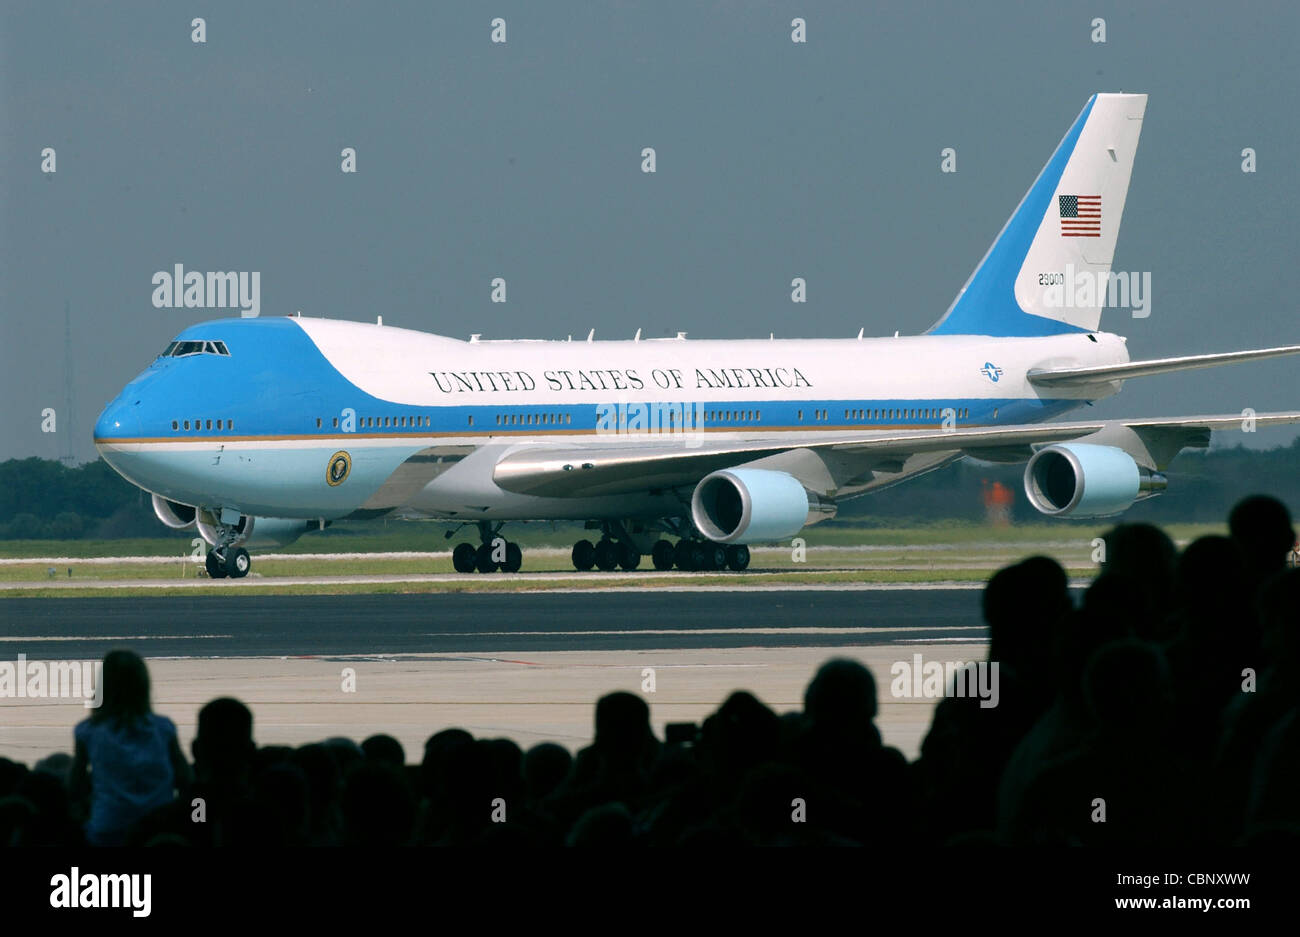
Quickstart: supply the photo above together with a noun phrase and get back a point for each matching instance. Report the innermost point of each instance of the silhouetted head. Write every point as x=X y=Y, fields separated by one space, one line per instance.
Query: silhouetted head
x=58 y=764
x=841 y=694
x=506 y=763
x=345 y=751
x=125 y=683
x=1022 y=606
x=223 y=747
x=743 y=732
x=11 y=775
x=545 y=768
x=1144 y=554
x=1261 y=526
x=622 y=723
x=438 y=750
x=384 y=749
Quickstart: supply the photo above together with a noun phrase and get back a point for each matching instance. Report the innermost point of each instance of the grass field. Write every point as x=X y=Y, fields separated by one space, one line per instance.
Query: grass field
x=831 y=554
x=408 y=536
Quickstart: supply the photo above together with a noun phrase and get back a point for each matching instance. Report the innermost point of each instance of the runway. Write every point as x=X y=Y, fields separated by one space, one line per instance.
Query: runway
x=525 y=666
x=297 y=626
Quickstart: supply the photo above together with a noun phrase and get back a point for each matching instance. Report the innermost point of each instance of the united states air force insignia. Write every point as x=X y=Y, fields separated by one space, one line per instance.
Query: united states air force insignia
x=340 y=465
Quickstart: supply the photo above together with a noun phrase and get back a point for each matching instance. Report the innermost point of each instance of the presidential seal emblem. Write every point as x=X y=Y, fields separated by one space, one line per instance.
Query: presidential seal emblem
x=339 y=467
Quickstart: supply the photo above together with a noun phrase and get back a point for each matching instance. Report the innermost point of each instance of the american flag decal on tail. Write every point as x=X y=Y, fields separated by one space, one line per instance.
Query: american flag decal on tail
x=1080 y=216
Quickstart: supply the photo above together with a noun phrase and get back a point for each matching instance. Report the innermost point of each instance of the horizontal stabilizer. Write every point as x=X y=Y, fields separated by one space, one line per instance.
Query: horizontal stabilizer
x=1073 y=377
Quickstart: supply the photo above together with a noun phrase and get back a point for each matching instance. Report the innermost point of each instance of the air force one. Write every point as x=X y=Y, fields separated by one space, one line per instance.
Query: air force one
x=258 y=430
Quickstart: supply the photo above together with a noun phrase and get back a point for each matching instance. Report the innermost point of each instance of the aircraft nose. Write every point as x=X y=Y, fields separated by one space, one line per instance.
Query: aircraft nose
x=120 y=420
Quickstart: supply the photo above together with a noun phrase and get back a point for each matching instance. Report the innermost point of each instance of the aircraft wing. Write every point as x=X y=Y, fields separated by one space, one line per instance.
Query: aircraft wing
x=637 y=462
x=1074 y=377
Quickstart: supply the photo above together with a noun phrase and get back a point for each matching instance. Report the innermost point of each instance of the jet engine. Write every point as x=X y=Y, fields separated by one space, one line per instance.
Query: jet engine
x=1084 y=480
x=742 y=504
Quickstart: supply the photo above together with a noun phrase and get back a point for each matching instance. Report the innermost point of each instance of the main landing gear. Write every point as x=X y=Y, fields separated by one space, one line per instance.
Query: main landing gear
x=493 y=554
x=689 y=554
x=230 y=561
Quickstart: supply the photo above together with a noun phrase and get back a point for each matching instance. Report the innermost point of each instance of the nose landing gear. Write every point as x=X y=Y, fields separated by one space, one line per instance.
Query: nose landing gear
x=230 y=561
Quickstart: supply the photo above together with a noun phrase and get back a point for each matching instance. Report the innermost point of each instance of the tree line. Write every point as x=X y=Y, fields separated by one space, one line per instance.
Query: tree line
x=46 y=499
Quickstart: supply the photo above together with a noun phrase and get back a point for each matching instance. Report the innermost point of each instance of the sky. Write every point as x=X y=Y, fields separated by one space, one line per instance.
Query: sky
x=523 y=160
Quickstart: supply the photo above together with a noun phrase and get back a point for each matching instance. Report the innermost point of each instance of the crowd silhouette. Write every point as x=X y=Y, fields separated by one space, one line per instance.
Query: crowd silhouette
x=1161 y=709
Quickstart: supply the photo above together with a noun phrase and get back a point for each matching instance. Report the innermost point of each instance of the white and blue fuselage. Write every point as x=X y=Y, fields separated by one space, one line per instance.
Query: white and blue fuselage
x=254 y=429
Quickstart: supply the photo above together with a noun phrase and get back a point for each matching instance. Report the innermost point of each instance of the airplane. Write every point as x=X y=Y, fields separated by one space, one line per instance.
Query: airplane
x=255 y=430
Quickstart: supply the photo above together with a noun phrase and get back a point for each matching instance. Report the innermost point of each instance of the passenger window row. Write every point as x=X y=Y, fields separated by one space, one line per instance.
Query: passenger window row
x=924 y=413
x=204 y=424
x=531 y=419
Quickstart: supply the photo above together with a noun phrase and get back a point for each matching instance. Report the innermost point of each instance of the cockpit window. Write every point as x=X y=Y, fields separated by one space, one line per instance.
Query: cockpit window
x=181 y=349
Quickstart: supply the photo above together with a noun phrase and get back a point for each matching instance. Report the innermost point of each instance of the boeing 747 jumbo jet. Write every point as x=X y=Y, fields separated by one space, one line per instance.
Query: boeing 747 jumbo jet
x=257 y=430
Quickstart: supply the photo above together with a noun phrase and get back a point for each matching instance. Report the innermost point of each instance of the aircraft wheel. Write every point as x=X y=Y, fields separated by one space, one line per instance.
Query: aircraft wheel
x=584 y=555
x=662 y=555
x=607 y=555
x=514 y=559
x=737 y=557
x=715 y=556
x=699 y=556
x=682 y=555
x=238 y=562
x=629 y=557
x=464 y=558
x=483 y=561
x=216 y=569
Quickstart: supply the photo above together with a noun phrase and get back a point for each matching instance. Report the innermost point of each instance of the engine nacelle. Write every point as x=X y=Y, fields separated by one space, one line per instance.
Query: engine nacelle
x=744 y=504
x=1084 y=480
x=176 y=516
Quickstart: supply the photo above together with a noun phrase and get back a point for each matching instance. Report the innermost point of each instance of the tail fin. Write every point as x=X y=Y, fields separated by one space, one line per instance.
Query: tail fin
x=1065 y=226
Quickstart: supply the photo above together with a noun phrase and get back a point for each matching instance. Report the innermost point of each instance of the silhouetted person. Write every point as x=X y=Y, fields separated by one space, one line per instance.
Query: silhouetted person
x=126 y=757
x=1218 y=638
x=1145 y=557
x=224 y=753
x=545 y=767
x=969 y=744
x=1113 y=609
x=1125 y=784
x=741 y=734
x=859 y=782
x=378 y=805
x=1261 y=527
x=618 y=763
x=384 y=749
x=319 y=764
x=1260 y=705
